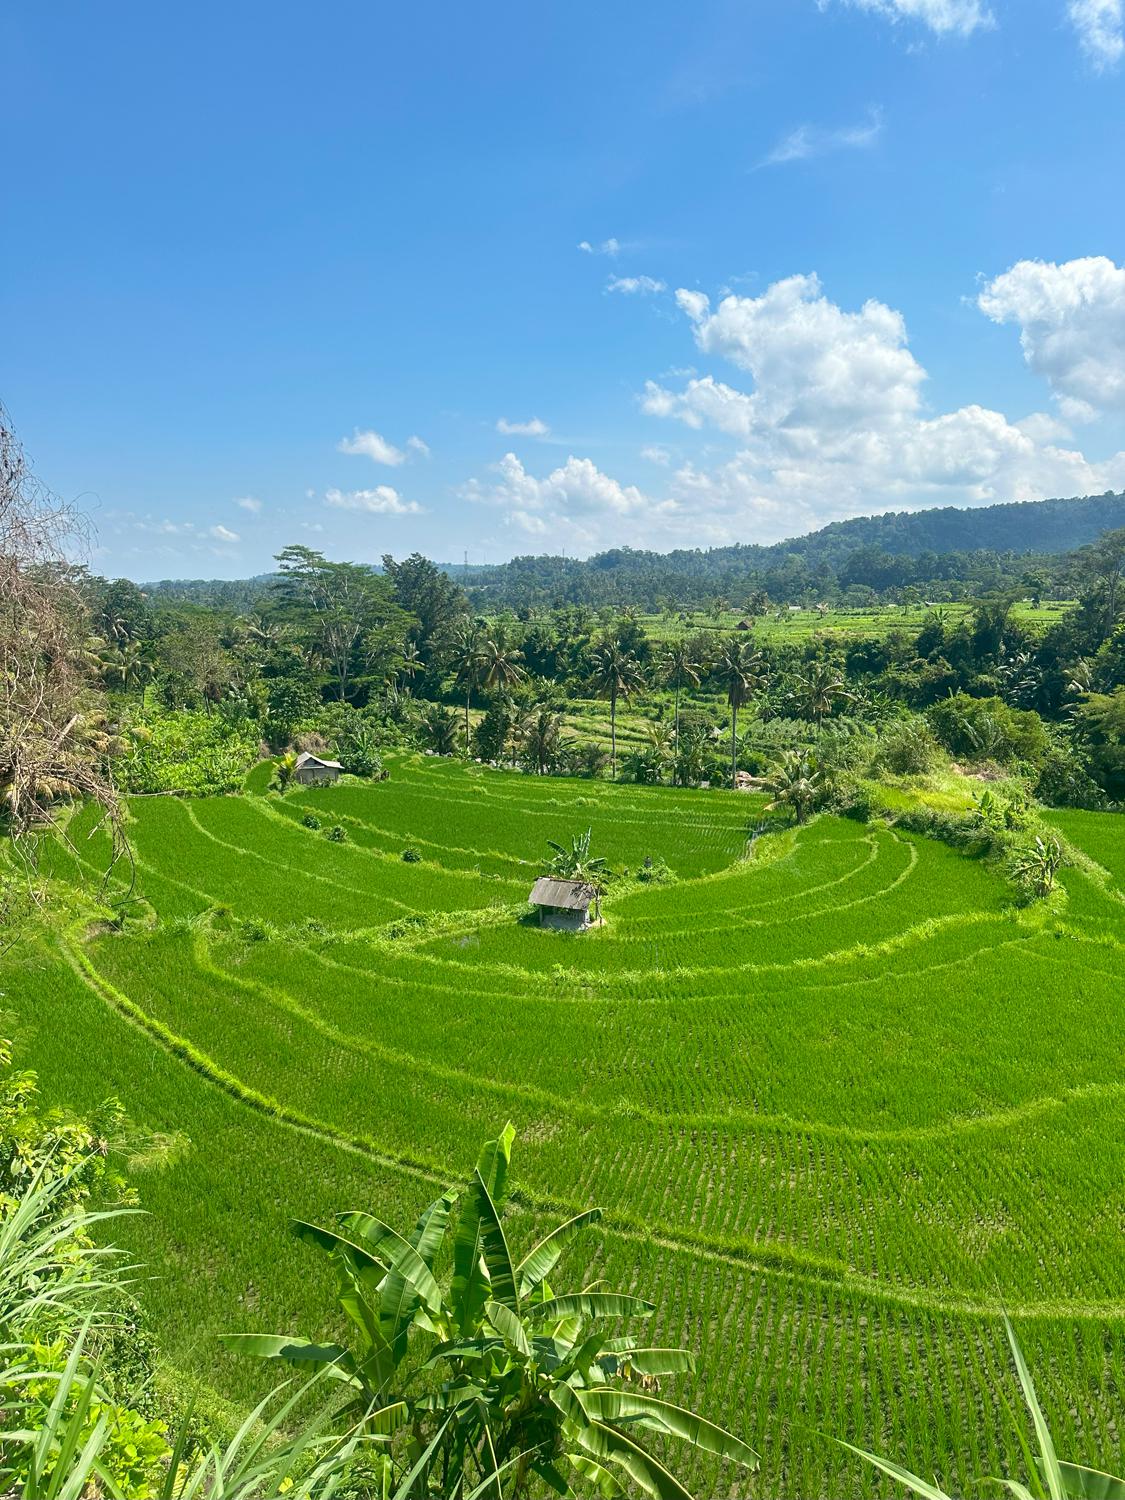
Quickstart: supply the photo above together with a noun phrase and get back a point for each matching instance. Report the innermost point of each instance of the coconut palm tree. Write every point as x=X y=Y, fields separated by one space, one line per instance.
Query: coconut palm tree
x=469 y=664
x=539 y=733
x=615 y=674
x=681 y=670
x=741 y=669
x=409 y=665
x=441 y=726
x=500 y=664
x=822 y=689
x=795 y=782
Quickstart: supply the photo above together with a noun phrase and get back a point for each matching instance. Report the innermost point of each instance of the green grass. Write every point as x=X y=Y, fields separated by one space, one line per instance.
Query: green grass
x=835 y=1092
x=801 y=624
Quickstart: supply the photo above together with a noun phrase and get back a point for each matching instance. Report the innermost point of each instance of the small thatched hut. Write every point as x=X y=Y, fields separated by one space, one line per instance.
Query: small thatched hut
x=565 y=904
x=311 y=770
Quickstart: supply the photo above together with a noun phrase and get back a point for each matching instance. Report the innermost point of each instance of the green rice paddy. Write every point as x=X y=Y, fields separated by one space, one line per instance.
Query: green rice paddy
x=838 y=1096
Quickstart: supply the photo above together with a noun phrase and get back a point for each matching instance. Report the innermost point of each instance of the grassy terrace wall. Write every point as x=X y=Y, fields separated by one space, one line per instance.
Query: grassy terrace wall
x=832 y=1096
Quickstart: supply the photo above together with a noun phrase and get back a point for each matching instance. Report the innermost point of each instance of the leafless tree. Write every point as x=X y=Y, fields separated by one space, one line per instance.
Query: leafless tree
x=54 y=741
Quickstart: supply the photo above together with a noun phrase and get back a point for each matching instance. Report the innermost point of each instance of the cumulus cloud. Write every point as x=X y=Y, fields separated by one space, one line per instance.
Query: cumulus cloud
x=417 y=445
x=808 y=141
x=1071 y=319
x=610 y=247
x=381 y=501
x=943 y=17
x=371 y=445
x=533 y=427
x=248 y=502
x=633 y=286
x=576 y=503
x=221 y=534
x=1100 y=25
x=834 y=424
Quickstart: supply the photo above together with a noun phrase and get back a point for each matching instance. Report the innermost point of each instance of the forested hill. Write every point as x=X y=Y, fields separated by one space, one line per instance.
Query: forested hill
x=990 y=547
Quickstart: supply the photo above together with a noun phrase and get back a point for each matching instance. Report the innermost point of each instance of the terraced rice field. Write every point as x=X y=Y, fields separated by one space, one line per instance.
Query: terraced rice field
x=835 y=1093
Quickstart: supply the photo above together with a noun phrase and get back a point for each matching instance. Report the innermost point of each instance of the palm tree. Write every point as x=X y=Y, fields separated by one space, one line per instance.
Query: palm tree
x=441 y=726
x=409 y=664
x=742 y=671
x=468 y=663
x=539 y=734
x=129 y=667
x=660 y=747
x=795 y=782
x=500 y=663
x=681 y=670
x=616 y=674
x=821 y=690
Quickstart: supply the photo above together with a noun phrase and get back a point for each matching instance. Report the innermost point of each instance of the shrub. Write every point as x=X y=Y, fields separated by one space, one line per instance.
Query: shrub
x=654 y=871
x=907 y=749
x=411 y=856
x=186 y=751
x=310 y=820
x=988 y=729
x=1065 y=780
x=337 y=834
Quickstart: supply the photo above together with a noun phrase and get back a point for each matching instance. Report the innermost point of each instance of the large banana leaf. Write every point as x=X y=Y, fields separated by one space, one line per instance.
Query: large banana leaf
x=510 y=1326
x=606 y=1443
x=1091 y=1484
x=607 y=1484
x=329 y=1240
x=494 y=1247
x=294 y=1351
x=541 y=1261
x=608 y=1405
x=431 y=1226
x=470 y=1287
x=657 y=1361
x=592 y=1305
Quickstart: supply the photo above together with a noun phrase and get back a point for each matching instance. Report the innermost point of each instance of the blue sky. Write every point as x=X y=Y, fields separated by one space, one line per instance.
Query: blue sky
x=515 y=278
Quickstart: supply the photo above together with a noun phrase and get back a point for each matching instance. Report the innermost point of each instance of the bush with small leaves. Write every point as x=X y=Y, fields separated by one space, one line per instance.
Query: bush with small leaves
x=310 y=820
x=411 y=856
x=337 y=833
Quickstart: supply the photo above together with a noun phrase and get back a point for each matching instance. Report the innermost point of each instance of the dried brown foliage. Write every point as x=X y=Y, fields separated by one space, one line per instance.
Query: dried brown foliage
x=54 y=741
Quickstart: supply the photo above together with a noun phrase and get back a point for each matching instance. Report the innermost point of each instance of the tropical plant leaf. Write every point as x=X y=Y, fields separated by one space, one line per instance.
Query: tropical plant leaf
x=606 y=1443
x=509 y=1325
x=431 y=1226
x=1090 y=1484
x=896 y=1471
x=608 y=1405
x=541 y=1261
x=592 y=1305
x=329 y=1240
x=659 y=1361
x=606 y=1483
x=494 y=1248
x=469 y=1288
x=293 y=1350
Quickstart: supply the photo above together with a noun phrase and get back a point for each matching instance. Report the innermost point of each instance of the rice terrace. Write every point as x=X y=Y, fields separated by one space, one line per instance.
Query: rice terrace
x=832 y=1088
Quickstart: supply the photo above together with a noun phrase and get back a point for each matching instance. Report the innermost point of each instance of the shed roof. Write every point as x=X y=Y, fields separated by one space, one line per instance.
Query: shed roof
x=307 y=758
x=570 y=895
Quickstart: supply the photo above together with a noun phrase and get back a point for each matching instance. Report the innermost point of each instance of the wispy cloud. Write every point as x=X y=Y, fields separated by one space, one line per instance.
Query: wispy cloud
x=1100 y=25
x=533 y=427
x=248 y=502
x=942 y=17
x=633 y=286
x=808 y=141
x=221 y=534
x=611 y=247
x=417 y=445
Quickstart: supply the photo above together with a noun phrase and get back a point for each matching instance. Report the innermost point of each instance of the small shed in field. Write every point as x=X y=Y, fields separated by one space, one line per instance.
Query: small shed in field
x=564 y=904
x=311 y=770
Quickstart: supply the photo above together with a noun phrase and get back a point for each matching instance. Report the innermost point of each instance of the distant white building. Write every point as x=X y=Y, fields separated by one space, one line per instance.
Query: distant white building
x=311 y=770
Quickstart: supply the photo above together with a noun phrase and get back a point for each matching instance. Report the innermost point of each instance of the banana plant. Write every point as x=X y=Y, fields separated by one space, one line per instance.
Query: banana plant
x=504 y=1382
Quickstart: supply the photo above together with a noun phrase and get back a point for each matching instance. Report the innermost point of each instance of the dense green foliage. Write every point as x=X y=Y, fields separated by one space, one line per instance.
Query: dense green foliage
x=818 y=1089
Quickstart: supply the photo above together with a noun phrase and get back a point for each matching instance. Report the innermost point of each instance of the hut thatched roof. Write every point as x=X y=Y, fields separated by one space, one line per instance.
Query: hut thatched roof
x=307 y=758
x=568 y=895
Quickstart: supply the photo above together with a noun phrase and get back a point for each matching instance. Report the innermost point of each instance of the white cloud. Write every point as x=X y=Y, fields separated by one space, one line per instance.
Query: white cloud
x=835 y=425
x=371 y=445
x=221 y=534
x=417 y=445
x=943 y=17
x=248 y=502
x=815 y=140
x=381 y=501
x=1100 y=25
x=576 y=504
x=610 y=247
x=655 y=454
x=634 y=285
x=1071 y=319
x=531 y=428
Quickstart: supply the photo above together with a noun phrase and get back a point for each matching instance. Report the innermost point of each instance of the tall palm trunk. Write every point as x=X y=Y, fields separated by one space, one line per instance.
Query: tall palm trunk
x=468 y=695
x=677 y=730
x=613 y=735
x=733 y=744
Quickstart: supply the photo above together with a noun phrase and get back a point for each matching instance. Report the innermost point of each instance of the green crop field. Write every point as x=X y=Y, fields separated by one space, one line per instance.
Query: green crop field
x=799 y=625
x=838 y=1096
